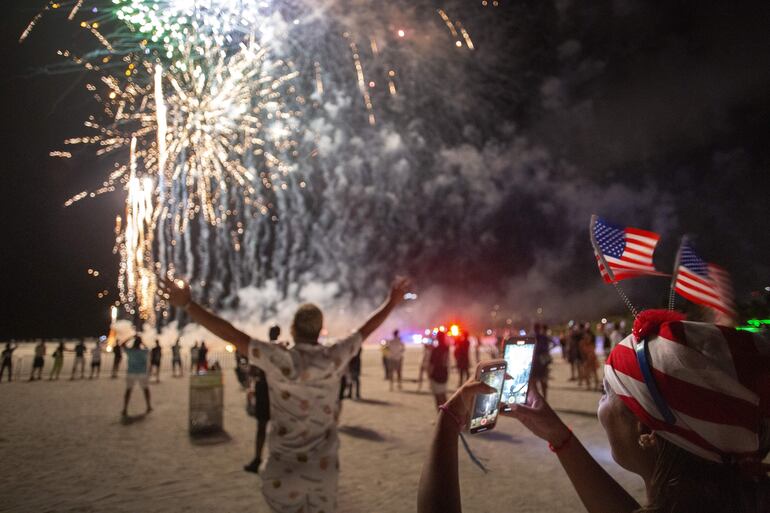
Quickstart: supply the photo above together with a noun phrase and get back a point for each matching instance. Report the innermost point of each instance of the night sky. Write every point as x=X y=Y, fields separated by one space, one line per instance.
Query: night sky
x=668 y=98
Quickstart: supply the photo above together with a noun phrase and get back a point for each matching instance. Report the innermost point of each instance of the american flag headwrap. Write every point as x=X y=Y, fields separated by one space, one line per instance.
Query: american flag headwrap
x=714 y=380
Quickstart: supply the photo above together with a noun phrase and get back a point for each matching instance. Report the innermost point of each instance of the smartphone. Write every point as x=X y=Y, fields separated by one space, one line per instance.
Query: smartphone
x=518 y=355
x=487 y=406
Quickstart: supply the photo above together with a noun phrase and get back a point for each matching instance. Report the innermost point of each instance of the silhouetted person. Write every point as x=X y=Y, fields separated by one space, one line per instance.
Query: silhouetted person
x=96 y=360
x=136 y=372
x=176 y=358
x=155 y=361
x=80 y=359
x=203 y=355
x=462 y=356
x=395 y=358
x=38 y=362
x=8 y=360
x=262 y=412
x=194 y=354
x=541 y=360
x=438 y=370
x=117 y=352
x=58 y=362
x=427 y=348
x=385 y=366
x=354 y=370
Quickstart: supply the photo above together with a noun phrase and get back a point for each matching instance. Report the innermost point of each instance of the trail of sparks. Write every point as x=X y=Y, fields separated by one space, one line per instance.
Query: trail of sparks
x=361 y=79
x=138 y=283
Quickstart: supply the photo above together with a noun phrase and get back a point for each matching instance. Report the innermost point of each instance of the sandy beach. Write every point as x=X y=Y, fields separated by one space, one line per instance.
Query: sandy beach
x=65 y=449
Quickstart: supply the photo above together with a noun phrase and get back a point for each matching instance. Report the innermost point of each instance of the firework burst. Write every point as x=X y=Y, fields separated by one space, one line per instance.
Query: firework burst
x=200 y=109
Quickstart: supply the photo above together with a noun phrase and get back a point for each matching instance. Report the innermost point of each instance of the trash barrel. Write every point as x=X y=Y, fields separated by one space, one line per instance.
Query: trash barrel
x=206 y=403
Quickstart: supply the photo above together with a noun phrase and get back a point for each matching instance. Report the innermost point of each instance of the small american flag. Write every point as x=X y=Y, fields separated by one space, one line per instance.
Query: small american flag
x=627 y=251
x=703 y=283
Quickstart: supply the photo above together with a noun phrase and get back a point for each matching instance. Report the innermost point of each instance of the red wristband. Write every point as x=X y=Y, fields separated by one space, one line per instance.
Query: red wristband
x=565 y=443
x=454 y=417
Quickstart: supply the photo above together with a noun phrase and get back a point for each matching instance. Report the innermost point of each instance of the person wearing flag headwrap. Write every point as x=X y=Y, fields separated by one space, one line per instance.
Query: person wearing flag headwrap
x=686 y=407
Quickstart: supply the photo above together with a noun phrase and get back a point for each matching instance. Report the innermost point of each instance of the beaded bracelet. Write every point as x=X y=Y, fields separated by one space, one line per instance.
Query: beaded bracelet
x=454 y=417
x=557 y=448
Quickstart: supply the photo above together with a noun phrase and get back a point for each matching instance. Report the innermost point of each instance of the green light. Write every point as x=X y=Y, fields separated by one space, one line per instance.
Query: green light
x=754 y=325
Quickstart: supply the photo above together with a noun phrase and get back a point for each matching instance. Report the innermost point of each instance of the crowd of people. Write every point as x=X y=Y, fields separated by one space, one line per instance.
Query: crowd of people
x=578 y=343
x=690 y=456
x=95 y=355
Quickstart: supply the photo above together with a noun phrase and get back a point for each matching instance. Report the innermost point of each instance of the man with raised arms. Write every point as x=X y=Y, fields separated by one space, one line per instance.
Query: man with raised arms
x=301 y=470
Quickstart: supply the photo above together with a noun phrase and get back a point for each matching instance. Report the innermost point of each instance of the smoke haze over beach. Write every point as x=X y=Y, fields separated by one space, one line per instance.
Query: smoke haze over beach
x=478 y=177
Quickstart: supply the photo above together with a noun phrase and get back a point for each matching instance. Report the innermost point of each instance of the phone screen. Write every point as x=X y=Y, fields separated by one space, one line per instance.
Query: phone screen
x=486 y=406
x=518 y=355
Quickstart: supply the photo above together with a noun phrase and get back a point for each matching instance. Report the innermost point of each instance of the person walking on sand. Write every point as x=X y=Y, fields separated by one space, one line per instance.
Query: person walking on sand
x=590 y=362
x=462 y=356
x=395 y=358
x=438 y=368
x=38 y=362
x=155 y=361
x=427 y=348
x=7 y=361
x=355 y=376
x=136 y=372
x=573 y=354
x=301 y=470
x=176 y=359
x=80 y=359
x=117 y=356
x=194 y=352
x=384 y=352
x=58 y=362
x=541 y=360
x=96 y=360
x=262 y=410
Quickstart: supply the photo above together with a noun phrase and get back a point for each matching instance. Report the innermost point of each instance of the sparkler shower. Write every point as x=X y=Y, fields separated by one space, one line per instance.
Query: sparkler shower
x=247 y=116
x=306 y=150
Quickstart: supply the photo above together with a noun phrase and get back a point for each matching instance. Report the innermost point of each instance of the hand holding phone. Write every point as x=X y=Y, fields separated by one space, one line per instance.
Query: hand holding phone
x=518 y=355
x=486 y=406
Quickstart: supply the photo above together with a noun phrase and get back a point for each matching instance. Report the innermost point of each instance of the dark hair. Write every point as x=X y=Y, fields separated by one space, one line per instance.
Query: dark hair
x=275 y=332
x=137 y=342
x=308 y=321
x=684 y=483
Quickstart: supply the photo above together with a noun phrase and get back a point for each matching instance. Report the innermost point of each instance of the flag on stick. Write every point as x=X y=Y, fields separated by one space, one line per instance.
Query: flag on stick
x=623 y=252
x=701 y=282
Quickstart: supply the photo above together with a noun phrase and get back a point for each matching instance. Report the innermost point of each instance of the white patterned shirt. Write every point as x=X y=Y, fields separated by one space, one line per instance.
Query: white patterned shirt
x=304 y=385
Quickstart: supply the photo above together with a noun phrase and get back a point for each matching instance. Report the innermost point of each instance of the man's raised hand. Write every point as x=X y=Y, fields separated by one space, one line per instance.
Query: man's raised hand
x=176 y=291
x=400 y=286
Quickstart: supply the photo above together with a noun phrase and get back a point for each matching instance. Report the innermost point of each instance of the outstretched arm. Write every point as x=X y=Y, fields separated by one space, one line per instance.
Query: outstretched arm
x=598 y=491
x=439 y=482
x=395 y=297
x=178 y=293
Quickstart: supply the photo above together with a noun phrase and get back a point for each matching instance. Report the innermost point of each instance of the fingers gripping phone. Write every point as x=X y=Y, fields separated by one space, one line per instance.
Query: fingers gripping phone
x=487 y=406
x=518 y=355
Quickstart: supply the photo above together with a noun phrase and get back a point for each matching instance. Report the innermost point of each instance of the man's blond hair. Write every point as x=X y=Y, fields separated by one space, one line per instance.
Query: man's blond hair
x=308 y=321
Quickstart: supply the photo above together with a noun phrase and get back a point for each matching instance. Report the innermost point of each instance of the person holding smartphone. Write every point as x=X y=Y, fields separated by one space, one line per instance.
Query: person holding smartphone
x=696 y=430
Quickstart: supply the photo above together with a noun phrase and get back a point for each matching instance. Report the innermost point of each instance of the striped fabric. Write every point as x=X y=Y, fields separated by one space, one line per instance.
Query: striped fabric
x=627 y=251
x=714 y=379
